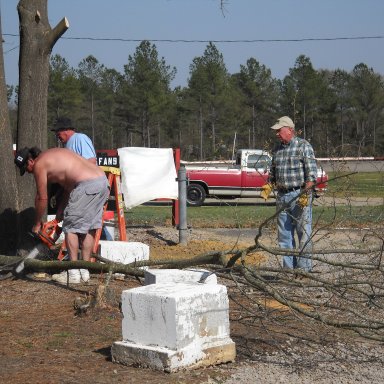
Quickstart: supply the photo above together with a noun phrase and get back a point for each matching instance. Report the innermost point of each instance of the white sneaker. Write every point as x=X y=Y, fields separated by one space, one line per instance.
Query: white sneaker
x=84 y=275
x=72 y=276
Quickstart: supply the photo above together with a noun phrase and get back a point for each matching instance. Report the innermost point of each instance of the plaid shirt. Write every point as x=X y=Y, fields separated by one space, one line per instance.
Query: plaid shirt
x=293 y=164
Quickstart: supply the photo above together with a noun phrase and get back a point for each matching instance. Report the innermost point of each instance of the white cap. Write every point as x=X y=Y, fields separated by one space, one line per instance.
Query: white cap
x=284 y=121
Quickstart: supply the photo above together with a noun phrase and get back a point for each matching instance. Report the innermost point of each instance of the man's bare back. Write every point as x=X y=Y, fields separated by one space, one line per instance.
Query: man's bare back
x=62 y=166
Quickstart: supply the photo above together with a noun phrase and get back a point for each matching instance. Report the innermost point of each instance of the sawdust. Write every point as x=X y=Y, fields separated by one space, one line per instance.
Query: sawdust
x=199 y=247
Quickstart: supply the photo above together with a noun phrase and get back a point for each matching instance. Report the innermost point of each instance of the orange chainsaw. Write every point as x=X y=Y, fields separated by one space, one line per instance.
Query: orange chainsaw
x=48 y=235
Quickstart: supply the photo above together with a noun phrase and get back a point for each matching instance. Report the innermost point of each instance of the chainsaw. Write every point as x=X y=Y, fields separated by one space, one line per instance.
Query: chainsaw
x=47 y=236
x=49 y=233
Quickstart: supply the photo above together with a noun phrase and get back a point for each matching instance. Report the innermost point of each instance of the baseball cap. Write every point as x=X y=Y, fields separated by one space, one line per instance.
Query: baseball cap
x=62 y=124
x=284 y=121
x=21 y=159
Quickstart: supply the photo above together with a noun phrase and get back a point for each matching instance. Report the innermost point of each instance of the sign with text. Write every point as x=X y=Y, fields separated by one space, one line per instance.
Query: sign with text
x=108 y=158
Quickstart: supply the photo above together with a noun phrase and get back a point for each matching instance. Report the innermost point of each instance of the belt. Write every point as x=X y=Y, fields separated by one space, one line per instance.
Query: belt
x=286 y=190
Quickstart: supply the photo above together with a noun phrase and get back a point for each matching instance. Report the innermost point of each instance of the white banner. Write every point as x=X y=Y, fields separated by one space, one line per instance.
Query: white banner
x=147 y=174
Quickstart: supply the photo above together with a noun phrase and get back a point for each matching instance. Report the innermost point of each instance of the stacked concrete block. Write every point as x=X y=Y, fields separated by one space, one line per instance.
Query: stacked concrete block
x=124 y=252
x=170 y=326
x=157 y=276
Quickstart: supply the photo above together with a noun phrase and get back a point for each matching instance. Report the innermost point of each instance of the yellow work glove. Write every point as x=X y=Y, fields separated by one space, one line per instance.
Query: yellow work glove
x=303 y=200
x=266 y=190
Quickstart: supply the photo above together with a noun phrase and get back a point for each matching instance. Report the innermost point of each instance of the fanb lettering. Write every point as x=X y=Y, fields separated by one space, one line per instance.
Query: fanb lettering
x=108 y=161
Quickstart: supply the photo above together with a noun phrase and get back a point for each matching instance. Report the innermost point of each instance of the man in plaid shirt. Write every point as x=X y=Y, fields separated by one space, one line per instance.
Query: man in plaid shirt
x=293 y=171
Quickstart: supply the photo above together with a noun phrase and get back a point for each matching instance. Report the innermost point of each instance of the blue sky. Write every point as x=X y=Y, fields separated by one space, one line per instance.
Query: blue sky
x=203 y=20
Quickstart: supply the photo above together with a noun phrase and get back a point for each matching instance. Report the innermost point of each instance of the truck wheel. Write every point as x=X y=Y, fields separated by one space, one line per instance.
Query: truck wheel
x=195 y=195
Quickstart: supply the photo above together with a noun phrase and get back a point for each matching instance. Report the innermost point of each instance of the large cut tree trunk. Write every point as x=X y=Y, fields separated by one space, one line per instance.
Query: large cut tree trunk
x=36 y=42
x=8 y=197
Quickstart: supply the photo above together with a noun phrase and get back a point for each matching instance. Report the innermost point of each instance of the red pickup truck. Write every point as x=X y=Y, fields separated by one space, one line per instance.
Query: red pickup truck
x=242 y=178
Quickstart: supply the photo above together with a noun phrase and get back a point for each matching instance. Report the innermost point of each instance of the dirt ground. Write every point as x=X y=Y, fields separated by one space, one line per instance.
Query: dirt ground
x=44 y=339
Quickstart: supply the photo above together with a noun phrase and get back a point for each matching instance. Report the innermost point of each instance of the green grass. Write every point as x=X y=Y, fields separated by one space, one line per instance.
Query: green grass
x=349 y=216
x=251 y=216
x=204 y=217
x=362 y=184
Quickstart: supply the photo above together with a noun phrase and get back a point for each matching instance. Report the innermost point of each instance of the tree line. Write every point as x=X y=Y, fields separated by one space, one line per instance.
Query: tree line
x=339 y=112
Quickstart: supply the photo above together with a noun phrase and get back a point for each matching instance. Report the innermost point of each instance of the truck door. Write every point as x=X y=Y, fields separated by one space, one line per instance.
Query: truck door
x=254 y=174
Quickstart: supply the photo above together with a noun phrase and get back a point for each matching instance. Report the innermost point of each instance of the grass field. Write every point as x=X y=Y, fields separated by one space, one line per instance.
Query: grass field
x=224 y=216
x=253 y=216
x=204 y=217
x=362 y=184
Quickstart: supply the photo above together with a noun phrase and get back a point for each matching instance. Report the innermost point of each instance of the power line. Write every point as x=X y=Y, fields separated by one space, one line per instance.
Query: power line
x=12 y=49
x=221 y=41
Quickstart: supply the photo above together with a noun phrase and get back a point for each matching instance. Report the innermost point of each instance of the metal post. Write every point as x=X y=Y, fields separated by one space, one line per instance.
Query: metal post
x=182 y=179
x=175 y=203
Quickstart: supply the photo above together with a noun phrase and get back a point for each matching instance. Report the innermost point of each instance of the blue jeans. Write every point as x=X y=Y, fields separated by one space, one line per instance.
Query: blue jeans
x=294 y=219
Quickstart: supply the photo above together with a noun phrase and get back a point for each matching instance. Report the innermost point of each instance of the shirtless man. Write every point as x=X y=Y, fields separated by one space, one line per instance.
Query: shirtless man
x=86 y=191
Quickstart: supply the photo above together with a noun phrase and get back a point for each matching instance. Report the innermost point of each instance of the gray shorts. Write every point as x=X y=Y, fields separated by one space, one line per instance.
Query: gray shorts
x=85 y=206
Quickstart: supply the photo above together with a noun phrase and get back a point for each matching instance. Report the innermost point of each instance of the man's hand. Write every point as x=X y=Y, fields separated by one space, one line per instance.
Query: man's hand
x=59 y=216
x=36 y=228
x=266 y=191
x=303 y=200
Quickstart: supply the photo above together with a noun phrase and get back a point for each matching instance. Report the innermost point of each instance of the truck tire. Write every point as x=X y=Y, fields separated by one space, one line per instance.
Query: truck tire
x=195 y=195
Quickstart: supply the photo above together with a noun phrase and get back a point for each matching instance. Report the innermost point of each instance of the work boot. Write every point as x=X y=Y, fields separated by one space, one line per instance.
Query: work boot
x=72 y=276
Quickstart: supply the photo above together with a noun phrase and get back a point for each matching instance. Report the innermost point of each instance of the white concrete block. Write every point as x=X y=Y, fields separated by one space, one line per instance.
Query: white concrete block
x=164 y=359
x=124 y=252
x=173 y=315
x=157 y=276
x=168 y=326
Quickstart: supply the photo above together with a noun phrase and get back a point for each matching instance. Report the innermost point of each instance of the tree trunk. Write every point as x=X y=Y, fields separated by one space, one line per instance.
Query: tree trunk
x=36 y=42
x=253 y=126
x=213 y=116
x=8 y=195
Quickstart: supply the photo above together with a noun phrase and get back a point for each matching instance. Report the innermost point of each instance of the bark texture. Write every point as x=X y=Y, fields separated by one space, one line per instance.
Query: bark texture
x=37 y=39
x=8 y=201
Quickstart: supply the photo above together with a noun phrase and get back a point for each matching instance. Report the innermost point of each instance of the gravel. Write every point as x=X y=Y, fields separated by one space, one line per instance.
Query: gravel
x=346 y=361
x=343 y=373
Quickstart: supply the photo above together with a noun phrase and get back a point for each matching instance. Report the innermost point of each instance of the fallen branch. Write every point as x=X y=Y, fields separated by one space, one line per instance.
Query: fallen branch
x=44 y=266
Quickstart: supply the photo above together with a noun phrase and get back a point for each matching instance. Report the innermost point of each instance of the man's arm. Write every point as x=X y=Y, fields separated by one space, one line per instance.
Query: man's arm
x=310 y=167
x=61 y=206
x=41 y=198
